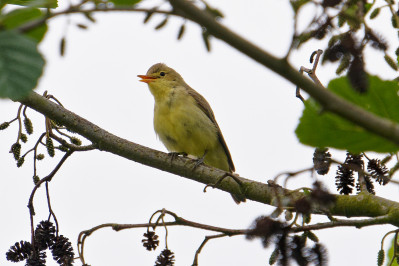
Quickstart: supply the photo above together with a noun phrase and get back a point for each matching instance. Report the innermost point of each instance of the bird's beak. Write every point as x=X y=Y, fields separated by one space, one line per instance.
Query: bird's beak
x=146 y=79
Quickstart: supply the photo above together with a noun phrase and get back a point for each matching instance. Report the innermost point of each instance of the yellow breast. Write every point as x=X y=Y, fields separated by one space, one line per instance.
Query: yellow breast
x=182 y=126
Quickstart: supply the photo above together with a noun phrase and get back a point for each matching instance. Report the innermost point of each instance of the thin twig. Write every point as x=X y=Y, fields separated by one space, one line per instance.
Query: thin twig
x=35 y=153
x=288 y=174
x=311 y=72
x=207 y=238
x=73 y=146
x=395 y=245
x=19 y=123
x=51 y=210
x=179 y=221
x=340 y=223
x=47 y=178
x=383 y=239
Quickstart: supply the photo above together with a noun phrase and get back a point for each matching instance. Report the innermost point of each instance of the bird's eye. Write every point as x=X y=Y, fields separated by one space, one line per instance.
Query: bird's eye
x=162 y=74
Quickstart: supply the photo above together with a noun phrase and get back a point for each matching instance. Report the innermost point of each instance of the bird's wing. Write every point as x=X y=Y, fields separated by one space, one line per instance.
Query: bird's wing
x=206 y=108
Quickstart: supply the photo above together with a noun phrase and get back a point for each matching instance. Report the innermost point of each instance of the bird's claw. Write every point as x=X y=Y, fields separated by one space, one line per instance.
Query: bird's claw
x=198 y=162
x=236 y=198
x=174 y=155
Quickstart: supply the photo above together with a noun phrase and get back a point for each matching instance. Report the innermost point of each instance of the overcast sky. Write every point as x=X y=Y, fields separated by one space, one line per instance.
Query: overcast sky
x=257 y=112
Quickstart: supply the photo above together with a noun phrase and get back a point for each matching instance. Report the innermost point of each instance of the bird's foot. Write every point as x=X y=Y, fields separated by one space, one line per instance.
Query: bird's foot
x=237 y=198
x=198 y=162
x=174 y=155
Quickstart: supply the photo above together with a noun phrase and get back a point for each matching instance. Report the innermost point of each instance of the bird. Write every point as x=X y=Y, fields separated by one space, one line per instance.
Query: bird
x=184 y=120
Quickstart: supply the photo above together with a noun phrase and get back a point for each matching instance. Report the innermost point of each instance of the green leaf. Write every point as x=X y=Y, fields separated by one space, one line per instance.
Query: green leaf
x=125 y=2
x=21 y=16
x=35 y=3
x=21 y=65
x=375 y=13
x=329 y=130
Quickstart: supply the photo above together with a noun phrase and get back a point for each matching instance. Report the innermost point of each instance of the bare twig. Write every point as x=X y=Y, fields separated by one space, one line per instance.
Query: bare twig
x=45 y=179
x=51 y=210
x=223 y=232
x=19 y=123
x=395 y=249
x=311 y=72
x=35 y=153
x=340 y=223
x=290 y=174
x=207 y=238
x=178 y=221
x=73 y=146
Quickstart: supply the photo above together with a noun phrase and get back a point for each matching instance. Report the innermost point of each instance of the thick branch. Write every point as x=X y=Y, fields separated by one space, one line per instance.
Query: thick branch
x=363 y=204
x=329 y=101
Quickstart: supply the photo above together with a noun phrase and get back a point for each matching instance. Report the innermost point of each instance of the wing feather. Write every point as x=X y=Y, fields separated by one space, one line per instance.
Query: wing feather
x=206 y=108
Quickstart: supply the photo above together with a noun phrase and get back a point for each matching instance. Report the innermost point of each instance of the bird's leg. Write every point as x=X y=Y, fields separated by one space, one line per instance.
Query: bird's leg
x=236 y=198
x=199 y=161
x=174 y=155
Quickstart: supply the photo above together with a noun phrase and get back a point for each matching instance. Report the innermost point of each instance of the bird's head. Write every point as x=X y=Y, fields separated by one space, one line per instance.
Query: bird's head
x=160 y=75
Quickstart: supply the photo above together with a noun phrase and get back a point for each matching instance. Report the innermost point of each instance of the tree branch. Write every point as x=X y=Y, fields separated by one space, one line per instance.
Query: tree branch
x=329 y=101
x=364 y=204
x=74 y=10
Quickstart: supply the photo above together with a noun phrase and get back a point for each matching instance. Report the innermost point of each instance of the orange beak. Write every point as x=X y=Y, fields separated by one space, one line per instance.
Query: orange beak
x=146 y=79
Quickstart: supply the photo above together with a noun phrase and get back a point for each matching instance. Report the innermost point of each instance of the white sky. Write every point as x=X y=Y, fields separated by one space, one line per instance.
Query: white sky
x=256 y=110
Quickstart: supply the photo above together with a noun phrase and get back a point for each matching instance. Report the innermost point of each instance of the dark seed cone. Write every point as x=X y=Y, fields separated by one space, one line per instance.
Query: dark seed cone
x=150 y=242
x=283 y=248
x=376 y=40
x=19 y=252
x=369 y=185
x=378 y=171
x=344 y=180
x=62 y=251
x=303 y=206
x=298 y=252
x=265 y=228
x=166 y=258
x=40 y=260
x=319 y=254
x=358 y=76
x=321 y=161
x=354 y=159
x=44 y=235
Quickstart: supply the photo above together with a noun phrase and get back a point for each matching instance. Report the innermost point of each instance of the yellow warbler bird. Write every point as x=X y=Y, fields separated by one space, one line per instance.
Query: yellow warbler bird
x=184 y=120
